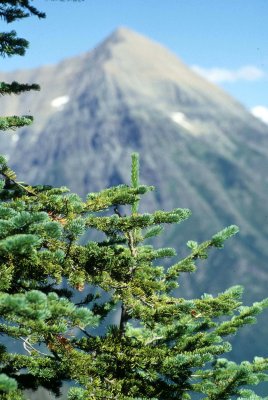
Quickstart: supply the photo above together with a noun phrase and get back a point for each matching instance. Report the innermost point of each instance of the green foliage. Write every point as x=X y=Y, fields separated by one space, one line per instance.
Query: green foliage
x=7 y=384
x=219 y=239
x=163 y=347
x=118 y=195
x=76 y=394
x=14 y=122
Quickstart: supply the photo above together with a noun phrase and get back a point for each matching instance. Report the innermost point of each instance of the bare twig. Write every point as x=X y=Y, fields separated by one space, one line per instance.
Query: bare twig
x=29 y=347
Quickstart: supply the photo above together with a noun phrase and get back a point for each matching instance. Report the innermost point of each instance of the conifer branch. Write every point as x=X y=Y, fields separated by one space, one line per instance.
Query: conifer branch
x=11 y=10
x=15 y=122
x=16 y=88
x=10 y=177
x=11 y=45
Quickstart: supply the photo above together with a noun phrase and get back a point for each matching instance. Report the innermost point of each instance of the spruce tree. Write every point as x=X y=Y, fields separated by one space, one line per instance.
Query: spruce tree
x=162 y=346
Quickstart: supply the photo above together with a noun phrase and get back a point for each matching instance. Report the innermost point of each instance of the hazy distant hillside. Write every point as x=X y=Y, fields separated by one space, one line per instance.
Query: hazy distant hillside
x=198 y=146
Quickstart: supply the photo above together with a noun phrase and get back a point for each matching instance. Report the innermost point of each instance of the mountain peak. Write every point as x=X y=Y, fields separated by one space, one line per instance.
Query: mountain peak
x=129 y=50
x=129 y=38
x=137 y=64
x=124 y=33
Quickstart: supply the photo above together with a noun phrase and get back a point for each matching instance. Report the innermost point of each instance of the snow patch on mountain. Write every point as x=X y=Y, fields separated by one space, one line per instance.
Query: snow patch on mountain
x=14 y=138
x=260 y=112
x=181 y=119
x=59 y=102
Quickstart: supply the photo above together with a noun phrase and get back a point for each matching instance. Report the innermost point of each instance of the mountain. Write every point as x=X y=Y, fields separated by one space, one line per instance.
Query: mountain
x=198 y=146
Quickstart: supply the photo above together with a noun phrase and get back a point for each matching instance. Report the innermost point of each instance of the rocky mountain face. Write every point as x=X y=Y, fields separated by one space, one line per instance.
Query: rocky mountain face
x=198 y=146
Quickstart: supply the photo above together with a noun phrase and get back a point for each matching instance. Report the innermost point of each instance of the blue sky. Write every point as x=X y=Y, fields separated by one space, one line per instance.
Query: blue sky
x=225 y=40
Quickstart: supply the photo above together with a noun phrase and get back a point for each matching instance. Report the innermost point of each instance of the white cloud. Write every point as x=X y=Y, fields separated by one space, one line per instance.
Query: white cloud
x=261 y=112
x=59 y=102
x=220 y=75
